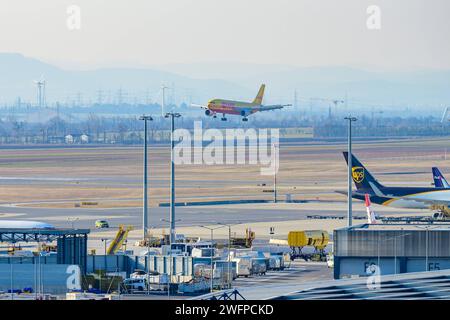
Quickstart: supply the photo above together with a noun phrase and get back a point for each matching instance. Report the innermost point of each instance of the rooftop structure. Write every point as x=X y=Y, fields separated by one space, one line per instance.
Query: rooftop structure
x=71 y=243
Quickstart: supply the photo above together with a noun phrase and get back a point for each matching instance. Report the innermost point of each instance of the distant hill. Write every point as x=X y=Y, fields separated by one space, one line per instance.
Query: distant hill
x=17 y=74
x=201 y=81
x=408 y=88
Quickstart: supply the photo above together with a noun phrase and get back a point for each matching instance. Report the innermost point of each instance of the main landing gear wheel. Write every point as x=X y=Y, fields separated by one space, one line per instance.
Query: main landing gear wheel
x=438 y=216
x=244 y=119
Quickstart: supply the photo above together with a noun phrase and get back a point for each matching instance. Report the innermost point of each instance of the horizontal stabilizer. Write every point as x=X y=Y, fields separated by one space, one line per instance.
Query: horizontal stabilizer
x=198 y=106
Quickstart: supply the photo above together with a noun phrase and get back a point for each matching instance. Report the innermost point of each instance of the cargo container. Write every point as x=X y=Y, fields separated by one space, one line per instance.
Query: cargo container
x=259 y=266
x=315 y=238
x=194 y=286
x=227 y=268
x=318 y=239
x=276 y=262
x=204 y=270
x=243 y=266
x=272 y=248
x=204 y=260
x=202 y=252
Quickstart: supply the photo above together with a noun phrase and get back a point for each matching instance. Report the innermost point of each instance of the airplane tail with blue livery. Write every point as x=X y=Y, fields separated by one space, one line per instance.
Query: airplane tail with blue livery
x=436 y=199
x=439 y=180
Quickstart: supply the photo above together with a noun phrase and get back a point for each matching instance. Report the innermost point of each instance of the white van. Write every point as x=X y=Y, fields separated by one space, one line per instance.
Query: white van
x=139 y=284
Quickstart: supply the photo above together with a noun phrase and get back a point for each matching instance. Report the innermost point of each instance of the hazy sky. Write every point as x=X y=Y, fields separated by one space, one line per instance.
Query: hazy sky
x=414 y=34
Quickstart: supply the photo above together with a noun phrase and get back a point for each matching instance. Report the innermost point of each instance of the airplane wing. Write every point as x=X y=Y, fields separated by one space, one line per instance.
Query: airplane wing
x=273 y=107
x=199 y=106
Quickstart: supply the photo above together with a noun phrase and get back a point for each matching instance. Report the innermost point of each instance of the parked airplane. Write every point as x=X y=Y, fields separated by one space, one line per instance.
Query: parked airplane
x=439 y=180
x=371 y=218
x=435 y=199
x=244 y=109
x=24 y=224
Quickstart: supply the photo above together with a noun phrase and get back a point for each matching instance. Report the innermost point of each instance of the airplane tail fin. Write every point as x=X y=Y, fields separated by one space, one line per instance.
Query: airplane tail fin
x=259 y=97
x=362 y=178
x=370 y=214
x=439 y=180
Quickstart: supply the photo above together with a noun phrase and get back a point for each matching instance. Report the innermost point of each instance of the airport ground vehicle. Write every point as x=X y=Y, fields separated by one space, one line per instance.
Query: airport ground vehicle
x=318 y=239
x=101 y=224
x=330 y=261
x=120 y=239
x=135 y=283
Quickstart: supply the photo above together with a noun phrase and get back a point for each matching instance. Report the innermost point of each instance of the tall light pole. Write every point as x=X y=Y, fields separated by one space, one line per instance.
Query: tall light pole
x=212 y=251
x=72 y=220
x=105 y=240
x=172 y=115
x=145 y=193
x=163 y=103
x=274 y=148
x=169 y=272
x=349 y=160
x=427 y=228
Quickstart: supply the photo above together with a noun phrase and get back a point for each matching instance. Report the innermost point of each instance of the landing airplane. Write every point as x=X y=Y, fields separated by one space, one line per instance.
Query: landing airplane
x=439 y=180
x=244 y=109
x=431 y=198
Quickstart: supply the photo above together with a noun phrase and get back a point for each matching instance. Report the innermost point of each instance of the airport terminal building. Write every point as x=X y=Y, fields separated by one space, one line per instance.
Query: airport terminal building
x=393 y=247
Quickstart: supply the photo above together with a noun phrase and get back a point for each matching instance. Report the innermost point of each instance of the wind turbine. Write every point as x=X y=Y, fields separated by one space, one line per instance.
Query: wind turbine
x=40 y=85
x=163 y=89
x=444 y=115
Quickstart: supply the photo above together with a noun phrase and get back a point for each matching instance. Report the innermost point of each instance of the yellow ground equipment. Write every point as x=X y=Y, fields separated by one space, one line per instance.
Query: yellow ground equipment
x=48 y=247
x=297 y=240
x=120 y=239
x=151 y=241
x=246 y=241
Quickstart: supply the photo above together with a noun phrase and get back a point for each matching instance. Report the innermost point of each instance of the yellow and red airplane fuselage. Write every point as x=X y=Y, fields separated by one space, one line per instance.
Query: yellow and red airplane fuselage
x=231 y=107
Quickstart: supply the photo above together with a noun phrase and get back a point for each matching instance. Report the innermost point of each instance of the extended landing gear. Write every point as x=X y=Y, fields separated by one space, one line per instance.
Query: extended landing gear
x=438 y=216
x=244 y=119
x=223 y=118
